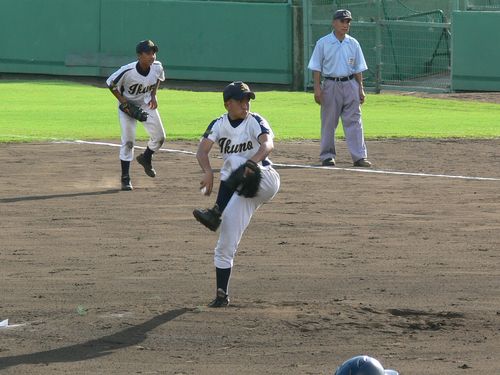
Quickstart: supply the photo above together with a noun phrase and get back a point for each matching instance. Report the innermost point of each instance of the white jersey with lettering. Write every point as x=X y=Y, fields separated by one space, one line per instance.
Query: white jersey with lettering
x=136 y=88
x=238 y=141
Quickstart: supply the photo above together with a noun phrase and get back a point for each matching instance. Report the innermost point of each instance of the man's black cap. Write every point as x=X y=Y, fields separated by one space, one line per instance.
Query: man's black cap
x=146 y=46
x=342 y=14
x=237 y=90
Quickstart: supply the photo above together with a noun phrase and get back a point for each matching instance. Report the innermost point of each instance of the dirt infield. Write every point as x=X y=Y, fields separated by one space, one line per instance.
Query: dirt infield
x=402 y=267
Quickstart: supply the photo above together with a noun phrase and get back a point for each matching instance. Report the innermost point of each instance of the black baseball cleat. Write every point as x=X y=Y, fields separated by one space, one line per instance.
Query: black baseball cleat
x=209 y=217
x=126 y=184
x=148 y=168
x=221 y=300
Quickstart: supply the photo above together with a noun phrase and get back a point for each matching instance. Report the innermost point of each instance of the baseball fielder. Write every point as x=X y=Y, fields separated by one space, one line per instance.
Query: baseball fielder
x=135 y=84
x=242 y=137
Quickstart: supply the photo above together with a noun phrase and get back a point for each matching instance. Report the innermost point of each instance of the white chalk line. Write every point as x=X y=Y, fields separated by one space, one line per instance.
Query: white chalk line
x=390 y=172
x=301 y=166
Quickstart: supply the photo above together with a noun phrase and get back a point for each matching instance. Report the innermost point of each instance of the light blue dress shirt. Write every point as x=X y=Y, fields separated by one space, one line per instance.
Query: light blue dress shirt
x=337 y=59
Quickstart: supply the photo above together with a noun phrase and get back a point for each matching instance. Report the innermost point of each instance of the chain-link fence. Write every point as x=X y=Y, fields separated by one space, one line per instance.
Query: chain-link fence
x=491 y=5
x=253 y=1
x=406 y=43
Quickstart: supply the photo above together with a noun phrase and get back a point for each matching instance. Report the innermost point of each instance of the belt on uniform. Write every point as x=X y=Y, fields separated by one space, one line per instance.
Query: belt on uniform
x=341 y=79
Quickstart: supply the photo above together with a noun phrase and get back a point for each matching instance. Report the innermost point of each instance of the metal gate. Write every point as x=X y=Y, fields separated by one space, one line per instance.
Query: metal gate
x=406 y=43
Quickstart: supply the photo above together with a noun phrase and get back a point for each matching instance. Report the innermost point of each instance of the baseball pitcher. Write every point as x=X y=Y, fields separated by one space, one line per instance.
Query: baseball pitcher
x=248 y=179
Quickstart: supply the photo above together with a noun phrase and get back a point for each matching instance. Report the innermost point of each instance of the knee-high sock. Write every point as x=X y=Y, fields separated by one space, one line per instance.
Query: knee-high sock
x=125 y=167
x=223 y=275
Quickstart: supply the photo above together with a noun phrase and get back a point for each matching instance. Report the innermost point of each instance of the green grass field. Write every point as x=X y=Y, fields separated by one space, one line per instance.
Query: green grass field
x=58 y=110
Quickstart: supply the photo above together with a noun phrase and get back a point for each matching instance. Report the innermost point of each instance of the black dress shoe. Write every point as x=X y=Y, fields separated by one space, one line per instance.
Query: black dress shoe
x=362 y=163
x=330 y=162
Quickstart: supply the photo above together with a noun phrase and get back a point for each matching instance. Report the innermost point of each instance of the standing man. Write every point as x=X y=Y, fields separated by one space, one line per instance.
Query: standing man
x=338 y=59
x=135 y=85
x=245 y=138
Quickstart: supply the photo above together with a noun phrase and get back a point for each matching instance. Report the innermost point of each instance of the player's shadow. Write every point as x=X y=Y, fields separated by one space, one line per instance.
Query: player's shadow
x=93 y=348
x=52 y=196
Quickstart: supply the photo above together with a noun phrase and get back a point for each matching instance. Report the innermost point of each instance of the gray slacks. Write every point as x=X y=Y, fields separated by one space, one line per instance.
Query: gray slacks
x=341 y=100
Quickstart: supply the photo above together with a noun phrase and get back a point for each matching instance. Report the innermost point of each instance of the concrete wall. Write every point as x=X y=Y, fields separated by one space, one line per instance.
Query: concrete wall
x=201 y=40
x=476 y=56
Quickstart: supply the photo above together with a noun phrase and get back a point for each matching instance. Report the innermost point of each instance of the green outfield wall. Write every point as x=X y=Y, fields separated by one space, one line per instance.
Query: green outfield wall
x=476 y=56
x=407 y=43
x=37 y=36
x=200 y=40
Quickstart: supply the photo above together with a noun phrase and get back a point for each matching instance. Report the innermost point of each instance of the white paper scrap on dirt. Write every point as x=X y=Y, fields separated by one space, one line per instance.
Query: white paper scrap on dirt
x=4 y=324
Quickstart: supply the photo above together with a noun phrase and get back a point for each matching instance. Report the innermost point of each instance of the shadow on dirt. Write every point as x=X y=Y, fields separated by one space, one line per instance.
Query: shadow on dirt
x=52 y=196
x=94 y=348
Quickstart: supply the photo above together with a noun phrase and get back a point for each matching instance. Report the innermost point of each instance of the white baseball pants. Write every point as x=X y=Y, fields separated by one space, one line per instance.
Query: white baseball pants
x=153 y=126
x=237 y=216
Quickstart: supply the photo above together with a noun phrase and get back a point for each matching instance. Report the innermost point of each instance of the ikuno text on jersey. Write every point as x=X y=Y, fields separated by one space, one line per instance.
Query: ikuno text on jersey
x=139 y=89
x=227 y=148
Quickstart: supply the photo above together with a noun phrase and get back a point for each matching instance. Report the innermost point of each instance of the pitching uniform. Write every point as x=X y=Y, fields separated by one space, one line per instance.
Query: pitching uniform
x=243 y=138
x=136 y=86
x=338 y=62
x=238 y=141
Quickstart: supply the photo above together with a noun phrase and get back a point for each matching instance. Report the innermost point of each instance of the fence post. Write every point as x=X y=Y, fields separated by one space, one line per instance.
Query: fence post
x=298 y=48
x=306 y=24
x=378 y=47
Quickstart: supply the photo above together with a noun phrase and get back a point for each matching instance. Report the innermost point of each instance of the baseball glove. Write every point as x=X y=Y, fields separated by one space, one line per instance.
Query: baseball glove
x=134 y=111
x=246 y=185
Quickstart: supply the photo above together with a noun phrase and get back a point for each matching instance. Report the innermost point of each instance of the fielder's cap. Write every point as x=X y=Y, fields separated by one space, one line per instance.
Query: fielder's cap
x=342 y=14
x=146 y=46
x=237 y=90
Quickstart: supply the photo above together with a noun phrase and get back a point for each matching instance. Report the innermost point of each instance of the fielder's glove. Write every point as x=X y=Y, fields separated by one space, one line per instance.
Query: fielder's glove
x=134 y=111
x=246 y=185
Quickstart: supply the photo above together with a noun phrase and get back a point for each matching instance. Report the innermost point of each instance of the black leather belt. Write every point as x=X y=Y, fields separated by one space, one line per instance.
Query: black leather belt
x=341 y=79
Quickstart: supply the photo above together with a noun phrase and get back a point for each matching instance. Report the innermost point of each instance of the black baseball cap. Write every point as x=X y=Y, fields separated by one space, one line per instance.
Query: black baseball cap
x=237 y=90
x=146 y=46
x=342 y=14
